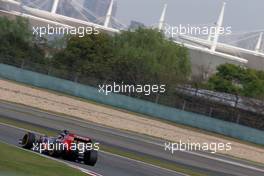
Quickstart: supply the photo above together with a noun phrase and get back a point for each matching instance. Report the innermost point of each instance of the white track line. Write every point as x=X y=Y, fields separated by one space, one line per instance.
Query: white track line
x=119 y=156
x=227 y=161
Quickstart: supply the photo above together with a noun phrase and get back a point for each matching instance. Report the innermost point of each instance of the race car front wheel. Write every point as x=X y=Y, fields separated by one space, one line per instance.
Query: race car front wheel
x=28 y=140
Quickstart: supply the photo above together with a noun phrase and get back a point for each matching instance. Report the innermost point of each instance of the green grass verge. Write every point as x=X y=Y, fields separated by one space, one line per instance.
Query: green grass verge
x=17 y=162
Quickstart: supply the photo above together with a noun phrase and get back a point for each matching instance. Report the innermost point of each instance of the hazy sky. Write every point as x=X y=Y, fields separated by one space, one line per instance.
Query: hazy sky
x=241 y=15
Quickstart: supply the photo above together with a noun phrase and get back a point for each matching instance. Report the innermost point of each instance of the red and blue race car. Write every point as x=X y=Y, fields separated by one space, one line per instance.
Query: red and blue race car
x=66 y=145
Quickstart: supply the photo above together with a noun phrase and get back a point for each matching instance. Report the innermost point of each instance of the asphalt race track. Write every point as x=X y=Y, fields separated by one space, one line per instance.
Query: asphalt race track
x=107 y=165
x=112 y=165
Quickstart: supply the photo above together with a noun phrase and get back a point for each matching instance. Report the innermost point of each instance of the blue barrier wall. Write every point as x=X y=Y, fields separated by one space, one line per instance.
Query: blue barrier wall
x=132 y=104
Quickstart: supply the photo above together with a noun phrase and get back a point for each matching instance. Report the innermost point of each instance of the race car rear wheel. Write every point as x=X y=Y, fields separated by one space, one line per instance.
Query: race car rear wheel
x=28 y=140
x=90 y=157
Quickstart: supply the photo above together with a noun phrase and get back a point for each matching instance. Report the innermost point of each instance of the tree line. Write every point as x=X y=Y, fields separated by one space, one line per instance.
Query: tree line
x=141 y=56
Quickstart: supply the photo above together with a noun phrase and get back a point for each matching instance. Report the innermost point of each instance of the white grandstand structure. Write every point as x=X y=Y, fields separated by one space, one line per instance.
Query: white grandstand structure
x=206 y=54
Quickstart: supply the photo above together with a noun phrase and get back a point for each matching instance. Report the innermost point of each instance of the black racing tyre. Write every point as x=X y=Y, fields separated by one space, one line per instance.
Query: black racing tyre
x=28 y=140
x=90 y=157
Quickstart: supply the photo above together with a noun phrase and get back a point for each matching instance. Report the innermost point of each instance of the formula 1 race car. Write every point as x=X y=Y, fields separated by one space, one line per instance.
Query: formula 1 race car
x=66 y=145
